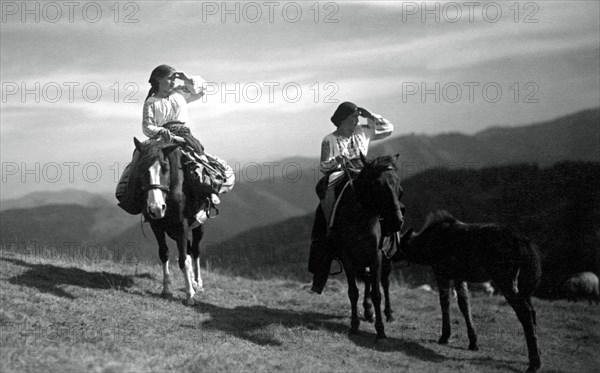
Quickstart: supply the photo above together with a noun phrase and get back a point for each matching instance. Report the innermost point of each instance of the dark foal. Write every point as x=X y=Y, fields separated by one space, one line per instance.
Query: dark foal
x=476 y=253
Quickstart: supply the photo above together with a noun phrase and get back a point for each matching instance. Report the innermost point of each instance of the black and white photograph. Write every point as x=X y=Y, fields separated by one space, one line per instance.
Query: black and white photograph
x=300 y=186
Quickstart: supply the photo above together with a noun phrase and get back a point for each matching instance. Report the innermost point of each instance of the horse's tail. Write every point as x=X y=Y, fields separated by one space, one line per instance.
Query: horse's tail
x=530 y=267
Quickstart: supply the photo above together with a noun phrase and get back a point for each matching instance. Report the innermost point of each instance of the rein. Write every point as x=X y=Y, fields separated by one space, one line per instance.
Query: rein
x=347 y=172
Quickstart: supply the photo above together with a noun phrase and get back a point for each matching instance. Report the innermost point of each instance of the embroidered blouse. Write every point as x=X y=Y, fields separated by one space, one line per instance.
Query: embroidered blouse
x=334 y=145
x=159 y=111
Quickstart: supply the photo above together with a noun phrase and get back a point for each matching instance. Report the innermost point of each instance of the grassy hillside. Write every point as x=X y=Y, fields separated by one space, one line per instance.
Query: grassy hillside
x=106 y=317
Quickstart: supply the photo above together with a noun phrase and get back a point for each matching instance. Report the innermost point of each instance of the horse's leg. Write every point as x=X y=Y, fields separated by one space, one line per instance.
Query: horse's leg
x=185 y=262
x=462 y=292
x=163 y=254
x=443 y=284
x=533 y=313
x=376 y=296
x=352 y=294
x=526 y=315
x=385 y=283
x=367 y=303
x=197 y=235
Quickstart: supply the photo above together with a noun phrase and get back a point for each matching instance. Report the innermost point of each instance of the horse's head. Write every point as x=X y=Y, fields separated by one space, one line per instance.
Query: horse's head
x=378 y=187
x=153 y=169
x=417 y=247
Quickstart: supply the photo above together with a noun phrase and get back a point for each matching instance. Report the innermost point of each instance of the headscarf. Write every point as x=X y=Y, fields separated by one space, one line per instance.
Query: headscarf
x=158 y=73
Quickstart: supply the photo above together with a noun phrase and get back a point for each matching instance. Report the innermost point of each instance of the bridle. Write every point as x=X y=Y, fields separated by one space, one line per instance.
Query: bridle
x=164 y=188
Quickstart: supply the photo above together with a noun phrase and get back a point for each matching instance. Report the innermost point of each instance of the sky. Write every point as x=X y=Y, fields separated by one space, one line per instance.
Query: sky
x=74 y=75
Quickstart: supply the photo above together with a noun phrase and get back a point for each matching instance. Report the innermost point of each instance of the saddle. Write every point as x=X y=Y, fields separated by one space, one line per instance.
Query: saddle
x=209 y=174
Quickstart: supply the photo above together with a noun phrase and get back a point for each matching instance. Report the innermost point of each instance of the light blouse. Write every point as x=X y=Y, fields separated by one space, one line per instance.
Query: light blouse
x=159 y=111
x=334 y=144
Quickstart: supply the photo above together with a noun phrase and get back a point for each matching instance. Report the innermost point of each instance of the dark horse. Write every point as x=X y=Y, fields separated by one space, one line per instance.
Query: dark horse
x=169 y=203
x=476 y=253
x=367 y=212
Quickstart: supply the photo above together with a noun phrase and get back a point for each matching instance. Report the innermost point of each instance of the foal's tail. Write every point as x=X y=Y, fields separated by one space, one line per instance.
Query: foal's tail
x=530 y=267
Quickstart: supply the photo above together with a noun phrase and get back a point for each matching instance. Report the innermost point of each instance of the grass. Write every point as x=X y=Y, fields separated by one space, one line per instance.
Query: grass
x=109 y=317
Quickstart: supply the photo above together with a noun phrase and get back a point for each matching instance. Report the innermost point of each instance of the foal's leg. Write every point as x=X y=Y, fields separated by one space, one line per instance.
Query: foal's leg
x=443 y=284
x=197 y=235
x=462 y=293
x=385 y=283
x=367 y=303
x=163 y=254
x=526 y=315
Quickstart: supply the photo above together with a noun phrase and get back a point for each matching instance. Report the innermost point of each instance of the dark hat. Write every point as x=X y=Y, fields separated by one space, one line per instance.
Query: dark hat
x=343 y=111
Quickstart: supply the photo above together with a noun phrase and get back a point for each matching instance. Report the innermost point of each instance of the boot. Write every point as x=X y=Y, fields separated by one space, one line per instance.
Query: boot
x=319 y=280
x=320 y=257
x=321 y=273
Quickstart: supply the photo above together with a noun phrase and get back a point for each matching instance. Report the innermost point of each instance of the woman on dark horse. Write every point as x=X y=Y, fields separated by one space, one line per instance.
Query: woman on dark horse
x=341 y=148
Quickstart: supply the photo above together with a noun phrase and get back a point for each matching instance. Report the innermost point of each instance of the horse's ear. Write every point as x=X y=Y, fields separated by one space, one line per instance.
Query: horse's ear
x=137 y=143
x=395 y=158
x=169 y=149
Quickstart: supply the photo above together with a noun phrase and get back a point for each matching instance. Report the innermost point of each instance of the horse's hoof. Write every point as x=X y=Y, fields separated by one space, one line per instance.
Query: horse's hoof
x=534 y=367
x=443 y=341
x=353 y=331
x=197 y=285
x=473 y=347
x=369 y=318
x=381 y=339
x=189 y=302
x=166 y=295
x=390 y=318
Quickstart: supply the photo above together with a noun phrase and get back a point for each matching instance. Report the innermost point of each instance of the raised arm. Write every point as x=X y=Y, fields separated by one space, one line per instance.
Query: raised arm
x=379 y=126
x=193 y=90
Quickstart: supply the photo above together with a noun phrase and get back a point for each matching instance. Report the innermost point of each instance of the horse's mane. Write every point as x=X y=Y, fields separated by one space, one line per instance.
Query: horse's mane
x=150 y=152
x=438 y=217
x=382 y=163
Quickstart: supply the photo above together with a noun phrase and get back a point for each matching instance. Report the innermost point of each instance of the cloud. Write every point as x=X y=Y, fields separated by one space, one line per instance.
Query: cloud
x=365 y=57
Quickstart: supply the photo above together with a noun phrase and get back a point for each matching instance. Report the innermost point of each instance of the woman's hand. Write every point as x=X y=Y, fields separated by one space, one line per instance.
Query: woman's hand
x=365 y=113
x=165 y=134
x=341 y=159
x=181 y=75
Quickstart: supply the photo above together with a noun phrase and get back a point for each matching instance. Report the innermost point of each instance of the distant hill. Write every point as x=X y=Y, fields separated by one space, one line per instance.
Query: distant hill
x=67 y=196
x=50 y=224
x=574 y=137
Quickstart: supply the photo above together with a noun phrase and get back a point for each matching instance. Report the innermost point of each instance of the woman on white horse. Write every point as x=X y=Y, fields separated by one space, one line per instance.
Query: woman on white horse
x=165 y=113
x=164 y=119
